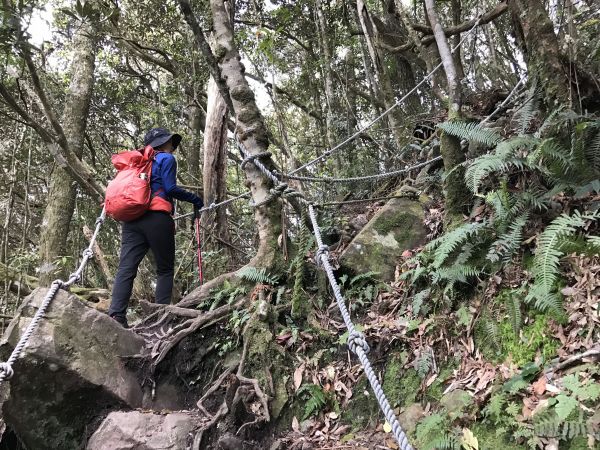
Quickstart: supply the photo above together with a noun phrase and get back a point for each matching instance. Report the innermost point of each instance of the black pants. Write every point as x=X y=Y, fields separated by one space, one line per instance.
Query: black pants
x=155 y=231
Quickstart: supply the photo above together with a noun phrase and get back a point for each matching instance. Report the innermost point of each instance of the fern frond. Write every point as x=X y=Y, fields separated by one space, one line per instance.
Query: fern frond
x=513 y=306
x=550 y=150
x=256 y=275
x=503 y=159
x=471 y=131
x=592 y=150
x=544 y=299
x=444 y=245
x=548 y=253
x=446 y=442
x=507 y=244
x=529 y=109
x=418 y=301
x=456 y=274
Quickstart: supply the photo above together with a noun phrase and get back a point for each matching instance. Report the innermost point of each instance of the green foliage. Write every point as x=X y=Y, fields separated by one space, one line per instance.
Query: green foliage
x=532 y=338
x=362 y=289
x=446 y=244
x=423 y=364
x=547 y=258
x=315 y=399
x=471 y=131
x=256 y=275
x=228 y=293
x=431 y=429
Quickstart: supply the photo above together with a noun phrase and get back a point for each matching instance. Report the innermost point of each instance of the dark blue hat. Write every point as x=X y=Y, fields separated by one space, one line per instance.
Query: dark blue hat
x=158 y=136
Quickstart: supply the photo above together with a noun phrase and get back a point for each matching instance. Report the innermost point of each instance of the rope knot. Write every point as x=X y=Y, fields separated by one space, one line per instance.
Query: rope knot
x=6 y=367
x=74 y=278
x=322 y=250
x=251 y=158
x=357 y=339
x=213 y=205
x=88 y=253
x=99 y=220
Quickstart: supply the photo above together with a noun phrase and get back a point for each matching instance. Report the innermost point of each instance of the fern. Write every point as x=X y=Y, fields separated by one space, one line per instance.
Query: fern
x=548 y=253
x=443 y=246
x=446 y=442
x=423 y=364
x=500 y=161
x=316 y=399
x=507 y=244
x=529 y=109
x=457 y=273
x=472 y=131
x=513 y=306
x=418 y=301
x=256 y=275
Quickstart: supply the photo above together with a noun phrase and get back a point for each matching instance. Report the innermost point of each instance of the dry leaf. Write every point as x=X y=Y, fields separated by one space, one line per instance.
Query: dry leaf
x=468 y=440
x=387 y=427
x=539 y=387
x=391 y=444
x=298 y=377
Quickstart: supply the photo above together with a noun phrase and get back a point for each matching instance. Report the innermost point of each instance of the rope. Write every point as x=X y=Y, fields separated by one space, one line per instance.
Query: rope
x=6 y=369
x=214 y=205
x=363 y=178
x=387 y=111
x=356 y=340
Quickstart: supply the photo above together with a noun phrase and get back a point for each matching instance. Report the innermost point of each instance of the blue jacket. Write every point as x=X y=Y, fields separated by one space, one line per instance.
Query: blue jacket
x=163 y=181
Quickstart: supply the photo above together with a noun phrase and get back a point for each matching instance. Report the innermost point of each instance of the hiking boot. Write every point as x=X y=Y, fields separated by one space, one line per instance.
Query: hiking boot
x=121 y=319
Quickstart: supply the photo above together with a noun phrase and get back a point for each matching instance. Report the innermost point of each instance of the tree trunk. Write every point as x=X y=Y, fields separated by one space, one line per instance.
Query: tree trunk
x=334 y=113
x=252 y=134
x=61 y=196
x=215 y=165
x=535 y=35
x=399 y=129
x=457 y=194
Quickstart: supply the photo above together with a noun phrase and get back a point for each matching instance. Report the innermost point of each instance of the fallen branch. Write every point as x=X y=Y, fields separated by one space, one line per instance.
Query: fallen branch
x=593 y=353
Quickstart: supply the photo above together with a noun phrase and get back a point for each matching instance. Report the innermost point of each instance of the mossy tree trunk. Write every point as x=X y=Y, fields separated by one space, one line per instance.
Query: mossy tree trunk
x=251 y=133
x=61 y=197
x=458 y=197
x=534 y=31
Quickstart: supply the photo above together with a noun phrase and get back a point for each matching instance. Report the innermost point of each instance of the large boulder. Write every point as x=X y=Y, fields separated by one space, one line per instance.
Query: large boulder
x=396 y=227
x=73 y=370
x=136 y=430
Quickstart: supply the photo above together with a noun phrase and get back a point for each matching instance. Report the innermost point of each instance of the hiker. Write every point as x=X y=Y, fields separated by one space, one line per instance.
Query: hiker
x=155 y=229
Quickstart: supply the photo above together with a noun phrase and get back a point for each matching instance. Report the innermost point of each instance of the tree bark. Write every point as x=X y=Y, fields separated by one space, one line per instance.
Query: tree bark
x=399 y=129
x=61 y=197
x=215 y=164
x=334 y=113
x=457 y=194
x=251 y=133
x=535 y=35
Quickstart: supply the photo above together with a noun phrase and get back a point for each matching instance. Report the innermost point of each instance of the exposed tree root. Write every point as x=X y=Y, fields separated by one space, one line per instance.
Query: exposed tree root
x=196 y=297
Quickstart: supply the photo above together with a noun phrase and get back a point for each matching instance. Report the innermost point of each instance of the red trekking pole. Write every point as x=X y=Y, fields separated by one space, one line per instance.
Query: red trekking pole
x=198 y=245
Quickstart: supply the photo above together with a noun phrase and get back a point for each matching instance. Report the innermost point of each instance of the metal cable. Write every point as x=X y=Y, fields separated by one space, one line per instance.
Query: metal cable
x=363 y=178
x=387 y=111
x=356 y=340
x=215 y=205
x=6 y=370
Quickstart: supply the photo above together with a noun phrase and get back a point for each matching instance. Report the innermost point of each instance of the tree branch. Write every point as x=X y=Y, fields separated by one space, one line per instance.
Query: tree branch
x=210 y=58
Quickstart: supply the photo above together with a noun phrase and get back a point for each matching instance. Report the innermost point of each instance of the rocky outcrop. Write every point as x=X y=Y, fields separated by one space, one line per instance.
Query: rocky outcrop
x=136 y=430
x=396 y=227
x=72 y=371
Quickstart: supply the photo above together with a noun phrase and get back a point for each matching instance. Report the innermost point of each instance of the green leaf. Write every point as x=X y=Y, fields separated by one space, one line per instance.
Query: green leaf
x=565 y=405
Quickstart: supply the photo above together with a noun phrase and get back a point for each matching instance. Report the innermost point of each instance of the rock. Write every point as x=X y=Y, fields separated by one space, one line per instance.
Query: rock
x=396 y=227
x=358 y=222
x=71 y=371
x=456 y=402
x=410 y=417
x=136 y=430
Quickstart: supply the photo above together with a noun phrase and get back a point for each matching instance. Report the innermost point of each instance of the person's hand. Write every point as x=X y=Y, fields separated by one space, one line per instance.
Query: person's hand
x=197 y=212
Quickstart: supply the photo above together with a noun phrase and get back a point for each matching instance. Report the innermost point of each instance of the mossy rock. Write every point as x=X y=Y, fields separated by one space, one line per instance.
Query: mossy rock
x=396 y=227
x=362 y=410
x=488 y=439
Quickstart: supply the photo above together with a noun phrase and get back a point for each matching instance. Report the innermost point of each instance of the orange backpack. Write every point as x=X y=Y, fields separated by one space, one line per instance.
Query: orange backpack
x=128 y=195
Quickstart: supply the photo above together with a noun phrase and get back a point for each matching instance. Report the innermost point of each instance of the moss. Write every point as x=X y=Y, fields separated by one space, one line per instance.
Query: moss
x=242 y=94
x=533 y=338
x=362 y=410
x=488 y=438
x=400 y=386
x=248 y=115
x=435 y=392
